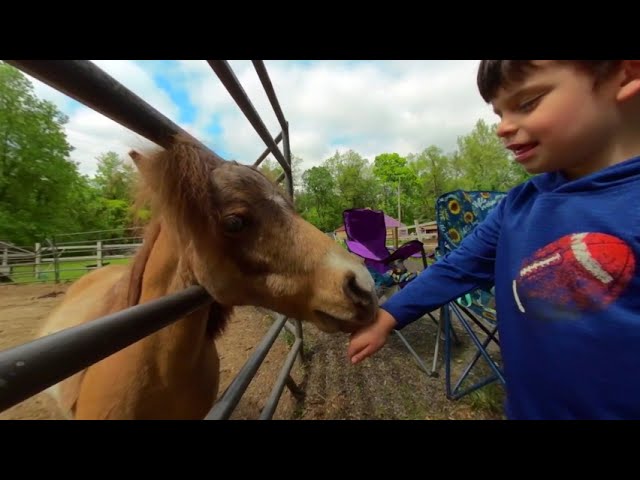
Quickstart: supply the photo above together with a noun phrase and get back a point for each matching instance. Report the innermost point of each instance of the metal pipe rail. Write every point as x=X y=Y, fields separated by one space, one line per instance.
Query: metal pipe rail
x=230 y=398
x=232 y=84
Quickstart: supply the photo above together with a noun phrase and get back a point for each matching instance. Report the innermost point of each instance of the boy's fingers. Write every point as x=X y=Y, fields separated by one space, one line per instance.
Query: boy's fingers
x=353 y=350
x=356 y=344
x=361 y=355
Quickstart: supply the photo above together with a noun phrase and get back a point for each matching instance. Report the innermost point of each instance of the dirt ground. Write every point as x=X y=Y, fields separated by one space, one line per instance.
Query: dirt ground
x=388 y=385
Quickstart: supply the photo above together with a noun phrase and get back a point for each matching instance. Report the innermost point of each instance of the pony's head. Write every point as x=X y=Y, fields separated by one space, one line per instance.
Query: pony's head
x=244 y=242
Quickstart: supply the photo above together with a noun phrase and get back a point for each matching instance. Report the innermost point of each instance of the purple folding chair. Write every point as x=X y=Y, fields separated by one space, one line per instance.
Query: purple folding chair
x=367 y=237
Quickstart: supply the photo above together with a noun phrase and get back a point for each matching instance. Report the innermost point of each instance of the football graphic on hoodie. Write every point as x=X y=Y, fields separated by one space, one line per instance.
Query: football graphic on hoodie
x=576 y=273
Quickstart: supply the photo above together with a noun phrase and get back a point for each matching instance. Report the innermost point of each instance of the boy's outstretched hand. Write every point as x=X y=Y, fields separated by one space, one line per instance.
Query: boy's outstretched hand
x=369 y=340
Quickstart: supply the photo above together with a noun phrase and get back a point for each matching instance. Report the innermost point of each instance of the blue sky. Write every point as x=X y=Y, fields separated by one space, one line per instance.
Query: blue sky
x=371 y=107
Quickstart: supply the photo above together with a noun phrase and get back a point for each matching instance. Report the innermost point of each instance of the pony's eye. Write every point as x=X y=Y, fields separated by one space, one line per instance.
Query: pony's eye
x=233 y=223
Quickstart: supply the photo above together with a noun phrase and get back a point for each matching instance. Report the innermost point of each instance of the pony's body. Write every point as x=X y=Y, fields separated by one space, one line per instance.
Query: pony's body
x=146 y=371
x=174 y=373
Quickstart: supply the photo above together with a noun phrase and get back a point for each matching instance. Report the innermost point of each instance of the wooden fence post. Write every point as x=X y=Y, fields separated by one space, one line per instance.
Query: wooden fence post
x=99 y=254
x=36 y=268
x=418 y=234
x=56 y=261
x=5 y=269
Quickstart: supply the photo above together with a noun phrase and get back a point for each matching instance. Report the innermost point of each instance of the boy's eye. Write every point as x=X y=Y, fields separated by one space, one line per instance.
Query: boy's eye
x=529 y=104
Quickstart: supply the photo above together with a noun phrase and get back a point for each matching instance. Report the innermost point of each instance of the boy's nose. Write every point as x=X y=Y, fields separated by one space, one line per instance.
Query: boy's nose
x=506 y=128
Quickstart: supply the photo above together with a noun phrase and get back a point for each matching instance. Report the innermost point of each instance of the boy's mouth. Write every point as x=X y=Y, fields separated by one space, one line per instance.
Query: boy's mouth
x=522 y=151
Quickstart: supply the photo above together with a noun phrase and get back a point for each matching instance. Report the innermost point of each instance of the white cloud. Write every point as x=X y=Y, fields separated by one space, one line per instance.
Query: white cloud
x=90 y=132
x=371 y=107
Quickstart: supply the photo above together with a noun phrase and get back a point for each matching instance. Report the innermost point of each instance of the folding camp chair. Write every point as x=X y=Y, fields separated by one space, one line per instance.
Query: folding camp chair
x=367 y=237
x=457 y=214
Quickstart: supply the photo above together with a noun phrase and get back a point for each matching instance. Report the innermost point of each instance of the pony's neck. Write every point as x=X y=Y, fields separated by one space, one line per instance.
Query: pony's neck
x=162 y=267
x=172 y=373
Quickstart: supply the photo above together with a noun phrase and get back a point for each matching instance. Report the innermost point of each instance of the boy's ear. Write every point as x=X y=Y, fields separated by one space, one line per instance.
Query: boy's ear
x=630 y=84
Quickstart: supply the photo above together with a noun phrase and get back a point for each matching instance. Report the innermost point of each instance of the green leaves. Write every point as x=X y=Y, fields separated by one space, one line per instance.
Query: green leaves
x=42 y=192
x=348 y=180
x=115 y=178
x=36 y=176
x=484 y=163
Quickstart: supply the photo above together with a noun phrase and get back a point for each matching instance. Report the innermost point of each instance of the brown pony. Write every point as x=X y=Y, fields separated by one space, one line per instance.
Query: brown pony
x=224 y=226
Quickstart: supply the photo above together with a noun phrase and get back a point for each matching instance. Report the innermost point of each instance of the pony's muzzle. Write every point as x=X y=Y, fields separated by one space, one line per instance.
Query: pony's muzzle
x=364 y=299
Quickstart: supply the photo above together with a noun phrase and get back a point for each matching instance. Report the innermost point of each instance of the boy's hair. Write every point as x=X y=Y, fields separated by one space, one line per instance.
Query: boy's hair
x=494 y=74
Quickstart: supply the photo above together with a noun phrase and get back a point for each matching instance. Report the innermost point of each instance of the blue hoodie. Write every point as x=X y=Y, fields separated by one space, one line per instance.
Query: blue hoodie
x=563 y=256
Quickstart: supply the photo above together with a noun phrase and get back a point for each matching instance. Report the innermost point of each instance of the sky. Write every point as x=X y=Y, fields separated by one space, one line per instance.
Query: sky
x=371 y=107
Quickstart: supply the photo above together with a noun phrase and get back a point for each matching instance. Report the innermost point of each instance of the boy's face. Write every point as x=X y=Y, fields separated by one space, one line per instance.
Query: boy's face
x=554 y=119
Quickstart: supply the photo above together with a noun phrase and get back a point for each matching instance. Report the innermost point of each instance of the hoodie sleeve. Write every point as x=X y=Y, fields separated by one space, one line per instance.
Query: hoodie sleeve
x=466 y=268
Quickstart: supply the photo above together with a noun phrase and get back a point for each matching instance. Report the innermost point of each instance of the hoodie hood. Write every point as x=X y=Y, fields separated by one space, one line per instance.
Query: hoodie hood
x=617 y=175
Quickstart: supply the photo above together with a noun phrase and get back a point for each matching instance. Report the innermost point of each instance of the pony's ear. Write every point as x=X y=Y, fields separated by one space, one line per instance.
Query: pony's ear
x=146 y=167
x=178 y=180
x=141 y=161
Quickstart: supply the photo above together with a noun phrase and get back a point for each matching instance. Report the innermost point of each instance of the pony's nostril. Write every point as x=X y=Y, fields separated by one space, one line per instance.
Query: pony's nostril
x=355 y=292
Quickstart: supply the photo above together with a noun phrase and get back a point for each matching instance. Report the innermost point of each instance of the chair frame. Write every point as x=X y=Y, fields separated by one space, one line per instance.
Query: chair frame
x=464 y=314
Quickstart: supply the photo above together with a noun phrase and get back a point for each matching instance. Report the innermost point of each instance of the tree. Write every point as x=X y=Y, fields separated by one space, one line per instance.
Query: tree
x=270 y=169
x=37 y=178
x=394 y=175
x=356 y=186
x=432 y=168
x=319 y=205
x=115 y=178
x=484 y=163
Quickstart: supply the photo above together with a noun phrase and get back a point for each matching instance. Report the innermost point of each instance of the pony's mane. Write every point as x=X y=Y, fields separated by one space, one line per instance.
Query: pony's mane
x=176 y=185
x=217 y=315
x=139 y=262
x=176 y=182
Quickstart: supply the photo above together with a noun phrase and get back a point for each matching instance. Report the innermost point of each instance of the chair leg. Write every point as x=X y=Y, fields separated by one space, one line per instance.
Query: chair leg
x=456 y=340
x=384 y=293
x=423 y=367
x=455 y=392
x=482 y=346
x=434 y=366
x=440 y=328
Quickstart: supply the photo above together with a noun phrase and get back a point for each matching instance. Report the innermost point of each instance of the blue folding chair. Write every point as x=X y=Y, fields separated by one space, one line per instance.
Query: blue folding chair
x=457 y=214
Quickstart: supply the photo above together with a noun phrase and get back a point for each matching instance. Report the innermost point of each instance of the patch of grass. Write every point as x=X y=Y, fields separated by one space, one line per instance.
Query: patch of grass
x=68 y=271
x=289 y=337
x=488 y=399
x=414 y=410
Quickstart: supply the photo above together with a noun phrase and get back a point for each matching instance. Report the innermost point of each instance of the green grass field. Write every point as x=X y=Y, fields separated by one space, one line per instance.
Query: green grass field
x=69 y=271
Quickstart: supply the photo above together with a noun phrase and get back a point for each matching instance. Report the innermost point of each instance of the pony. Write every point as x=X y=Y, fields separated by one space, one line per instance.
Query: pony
x=225 y=226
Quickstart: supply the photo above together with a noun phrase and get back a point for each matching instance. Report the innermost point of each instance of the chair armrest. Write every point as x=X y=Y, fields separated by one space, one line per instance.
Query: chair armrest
x=406 y=250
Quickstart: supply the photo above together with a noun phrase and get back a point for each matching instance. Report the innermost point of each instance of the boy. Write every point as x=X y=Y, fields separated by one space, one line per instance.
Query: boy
x=562 y=248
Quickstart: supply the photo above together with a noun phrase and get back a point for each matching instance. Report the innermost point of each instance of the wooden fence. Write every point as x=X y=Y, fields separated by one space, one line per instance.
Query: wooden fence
x=57 y=260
